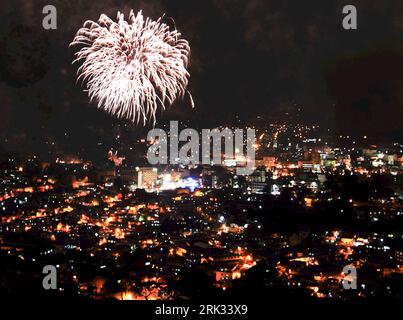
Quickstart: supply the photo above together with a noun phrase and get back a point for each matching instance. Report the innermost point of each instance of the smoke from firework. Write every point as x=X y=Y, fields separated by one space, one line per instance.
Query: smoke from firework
x=132 y=67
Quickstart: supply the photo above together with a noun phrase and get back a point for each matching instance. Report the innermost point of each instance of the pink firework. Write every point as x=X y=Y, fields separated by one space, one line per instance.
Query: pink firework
x=131 y=68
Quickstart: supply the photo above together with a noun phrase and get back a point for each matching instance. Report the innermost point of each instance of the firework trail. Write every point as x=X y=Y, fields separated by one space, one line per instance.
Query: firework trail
x=131 y=68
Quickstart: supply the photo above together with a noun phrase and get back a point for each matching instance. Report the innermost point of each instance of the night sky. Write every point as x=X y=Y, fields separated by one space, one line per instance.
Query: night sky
x=249 y=58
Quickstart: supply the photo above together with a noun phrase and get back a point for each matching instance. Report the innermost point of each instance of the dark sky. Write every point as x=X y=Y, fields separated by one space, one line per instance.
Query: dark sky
x=249 y=58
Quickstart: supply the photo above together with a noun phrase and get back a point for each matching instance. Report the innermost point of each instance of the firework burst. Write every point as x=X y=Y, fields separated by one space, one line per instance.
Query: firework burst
x=132 y=68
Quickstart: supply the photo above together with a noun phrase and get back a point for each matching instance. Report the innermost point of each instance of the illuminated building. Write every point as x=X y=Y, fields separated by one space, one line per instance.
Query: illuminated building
x=267 y=161
x=147 y=178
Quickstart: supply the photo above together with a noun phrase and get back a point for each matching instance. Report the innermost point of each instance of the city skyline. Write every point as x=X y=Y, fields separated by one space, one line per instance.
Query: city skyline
x=270 y=60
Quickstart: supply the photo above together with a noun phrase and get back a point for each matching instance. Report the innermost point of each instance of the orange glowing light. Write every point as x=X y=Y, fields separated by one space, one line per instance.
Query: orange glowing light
x=308 y=202
x=119 y=234
x=198 y=193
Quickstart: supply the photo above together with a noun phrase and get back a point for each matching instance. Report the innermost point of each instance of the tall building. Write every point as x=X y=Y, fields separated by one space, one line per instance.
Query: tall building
x=147 y=178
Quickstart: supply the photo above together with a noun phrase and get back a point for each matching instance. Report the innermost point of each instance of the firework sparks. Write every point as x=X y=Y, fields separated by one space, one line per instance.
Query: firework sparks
x=131 y=68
